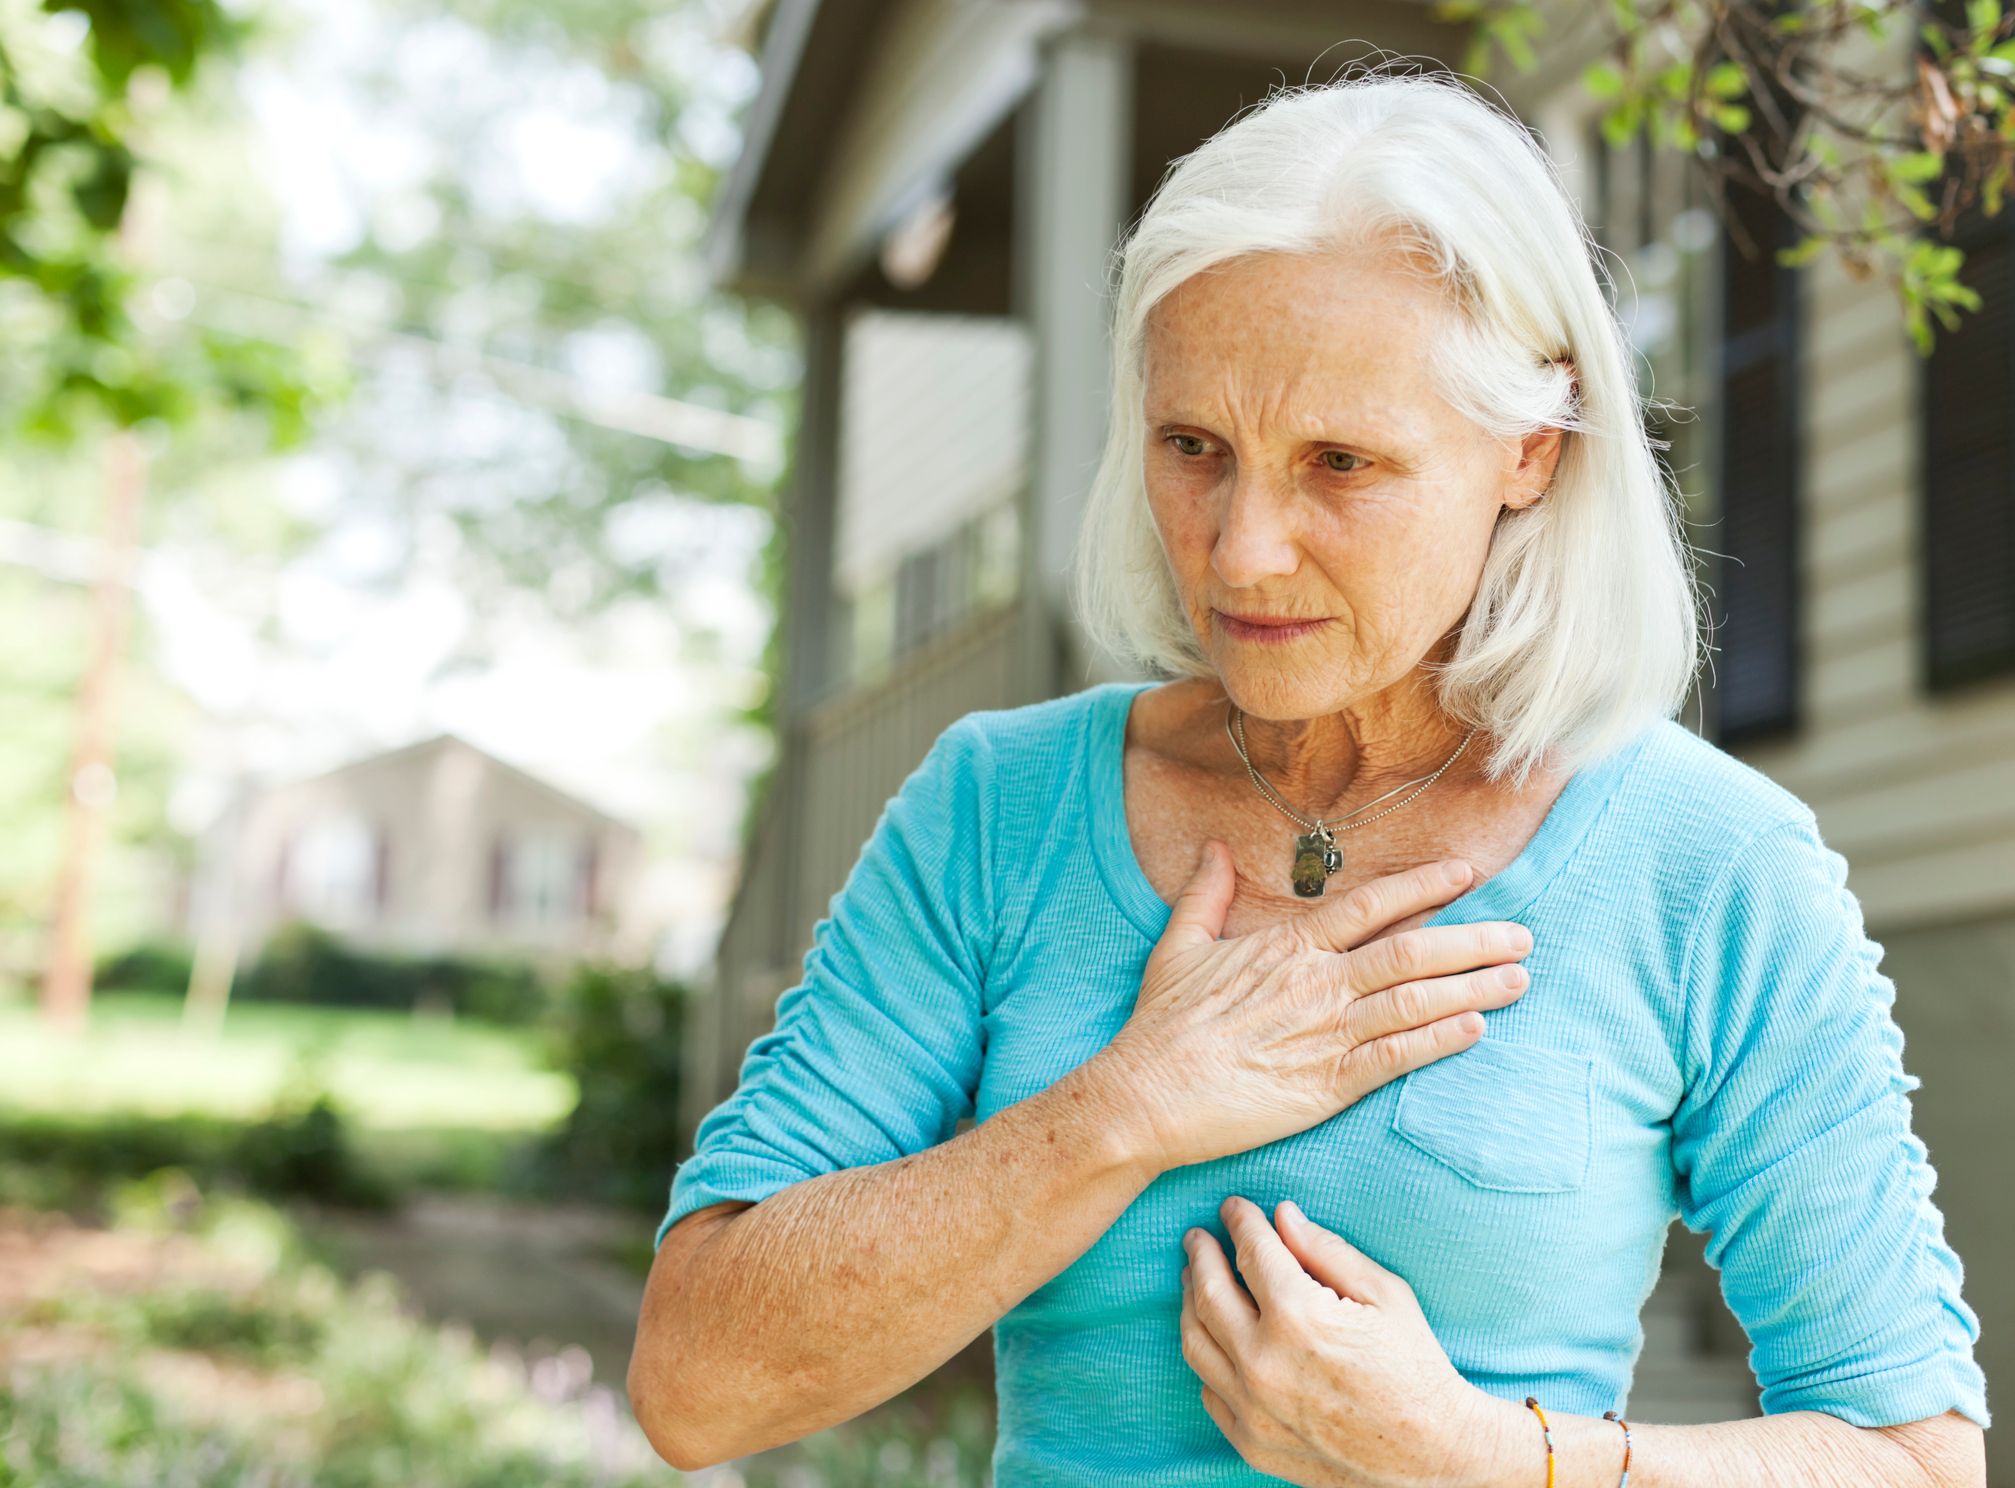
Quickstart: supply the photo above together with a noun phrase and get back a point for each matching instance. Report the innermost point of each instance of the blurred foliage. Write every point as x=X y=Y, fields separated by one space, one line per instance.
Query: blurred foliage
x=231 y=1355
x=474 y=282
x=618 y=1032
x=41 y=654
x=457 y=333
x=74 y=121
x=301 y=1151
x=330 y=1383
x=1779 y=97
x=303 y=963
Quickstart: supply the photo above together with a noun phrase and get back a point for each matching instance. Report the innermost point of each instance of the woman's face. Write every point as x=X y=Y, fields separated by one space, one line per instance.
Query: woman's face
x=1301 y=464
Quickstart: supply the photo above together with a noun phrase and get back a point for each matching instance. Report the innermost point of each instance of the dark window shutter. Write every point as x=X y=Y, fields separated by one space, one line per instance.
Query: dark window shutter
x=1967 y=482
x=499 y=850
x=588 y=883
x=381 y=870
x=1757 y=665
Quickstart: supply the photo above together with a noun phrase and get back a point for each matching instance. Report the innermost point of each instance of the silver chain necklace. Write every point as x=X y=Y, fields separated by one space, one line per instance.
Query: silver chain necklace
x=1316 y=855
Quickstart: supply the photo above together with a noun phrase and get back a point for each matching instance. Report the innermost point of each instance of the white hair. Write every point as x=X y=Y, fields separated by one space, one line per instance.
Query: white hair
x=1585 y=626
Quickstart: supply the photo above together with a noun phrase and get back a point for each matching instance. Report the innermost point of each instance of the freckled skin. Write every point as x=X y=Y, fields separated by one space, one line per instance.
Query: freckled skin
x=1299 y=461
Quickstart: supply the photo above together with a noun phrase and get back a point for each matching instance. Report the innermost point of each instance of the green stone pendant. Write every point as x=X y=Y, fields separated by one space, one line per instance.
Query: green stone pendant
x=1316 y=856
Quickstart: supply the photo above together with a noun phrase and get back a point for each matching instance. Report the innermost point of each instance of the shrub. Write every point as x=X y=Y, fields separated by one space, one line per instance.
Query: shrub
x=151 y=966
x=304 y=963
x=303 y=1151
x=617 y=1031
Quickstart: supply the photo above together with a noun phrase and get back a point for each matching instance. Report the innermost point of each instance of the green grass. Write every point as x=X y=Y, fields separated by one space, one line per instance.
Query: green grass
x=387 y=1072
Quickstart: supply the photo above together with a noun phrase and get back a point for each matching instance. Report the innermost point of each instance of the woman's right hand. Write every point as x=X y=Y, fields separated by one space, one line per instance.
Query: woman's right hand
x=1237 y=1043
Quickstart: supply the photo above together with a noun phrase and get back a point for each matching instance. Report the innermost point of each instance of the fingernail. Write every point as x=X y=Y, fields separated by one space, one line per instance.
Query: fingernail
x=1455 y=873
x=1294 y=1211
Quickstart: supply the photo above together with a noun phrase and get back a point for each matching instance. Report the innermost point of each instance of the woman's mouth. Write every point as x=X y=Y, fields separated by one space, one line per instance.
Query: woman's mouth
x=1265 y=629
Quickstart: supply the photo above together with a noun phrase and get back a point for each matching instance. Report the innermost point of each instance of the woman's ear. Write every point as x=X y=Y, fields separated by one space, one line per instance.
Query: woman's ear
x=1538 y=459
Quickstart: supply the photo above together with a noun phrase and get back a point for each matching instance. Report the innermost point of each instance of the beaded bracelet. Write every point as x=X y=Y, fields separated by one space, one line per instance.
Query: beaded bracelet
x=1532 y=1403
x=1610 y=1415
x=1546 y=1431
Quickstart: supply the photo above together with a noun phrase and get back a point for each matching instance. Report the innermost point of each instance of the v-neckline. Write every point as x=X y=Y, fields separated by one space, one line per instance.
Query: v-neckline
x=1499 y=897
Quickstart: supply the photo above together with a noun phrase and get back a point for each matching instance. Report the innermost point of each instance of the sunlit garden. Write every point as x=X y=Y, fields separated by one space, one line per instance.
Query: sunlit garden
x=348 y=1246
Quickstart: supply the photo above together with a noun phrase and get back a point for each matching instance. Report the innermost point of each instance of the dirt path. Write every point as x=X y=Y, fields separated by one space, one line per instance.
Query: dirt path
x=539 y=1276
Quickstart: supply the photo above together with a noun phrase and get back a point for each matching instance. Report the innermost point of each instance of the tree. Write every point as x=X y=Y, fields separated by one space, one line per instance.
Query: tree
x=1768 y=95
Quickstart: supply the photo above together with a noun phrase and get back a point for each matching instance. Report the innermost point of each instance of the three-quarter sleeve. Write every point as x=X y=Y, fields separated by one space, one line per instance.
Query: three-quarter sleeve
x=876 y=1052
x=1793 y=1149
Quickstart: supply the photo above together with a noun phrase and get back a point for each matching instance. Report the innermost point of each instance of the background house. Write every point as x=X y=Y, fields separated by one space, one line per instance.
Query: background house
x=935 y=185
x=435 y=848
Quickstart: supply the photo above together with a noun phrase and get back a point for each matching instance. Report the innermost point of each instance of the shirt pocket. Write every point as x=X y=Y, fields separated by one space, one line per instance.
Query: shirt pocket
x=1505 y=1116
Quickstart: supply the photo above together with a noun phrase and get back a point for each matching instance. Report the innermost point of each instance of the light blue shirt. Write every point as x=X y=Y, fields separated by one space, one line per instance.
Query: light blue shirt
x=1706 y=1035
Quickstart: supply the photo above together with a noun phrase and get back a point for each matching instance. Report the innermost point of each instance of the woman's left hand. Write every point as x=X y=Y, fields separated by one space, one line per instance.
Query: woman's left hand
x=1327 y=1374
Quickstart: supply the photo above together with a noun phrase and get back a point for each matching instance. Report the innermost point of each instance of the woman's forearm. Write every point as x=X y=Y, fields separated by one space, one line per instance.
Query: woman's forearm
x=838 y=1293
x=1795 y=1449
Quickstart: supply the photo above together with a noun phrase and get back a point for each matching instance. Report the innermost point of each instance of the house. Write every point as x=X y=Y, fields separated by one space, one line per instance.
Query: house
x=435 y=848
x=934 y=187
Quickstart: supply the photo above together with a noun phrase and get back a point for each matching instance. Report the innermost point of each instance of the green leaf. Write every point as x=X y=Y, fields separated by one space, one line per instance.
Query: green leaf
x=1916 y=203
x=1620 y=125
x=1602 y=80
x=1803 y=252
x=1916 y=165
x=1726 y=80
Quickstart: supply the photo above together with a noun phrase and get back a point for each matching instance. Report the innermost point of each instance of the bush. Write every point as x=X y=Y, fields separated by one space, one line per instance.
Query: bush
x=304 y=1151
x=303 y=963
x=152 y=966
x=617 y=1031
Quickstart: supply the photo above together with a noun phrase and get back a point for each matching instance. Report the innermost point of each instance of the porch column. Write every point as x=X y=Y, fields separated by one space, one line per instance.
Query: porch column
x=812 y=642
x=1073 y=197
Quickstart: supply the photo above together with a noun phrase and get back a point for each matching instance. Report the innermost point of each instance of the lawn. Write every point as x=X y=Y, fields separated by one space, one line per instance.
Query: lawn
x=386 y=1071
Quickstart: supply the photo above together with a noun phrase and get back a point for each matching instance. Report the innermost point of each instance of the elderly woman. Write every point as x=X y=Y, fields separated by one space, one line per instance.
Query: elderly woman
x=1346 y=1019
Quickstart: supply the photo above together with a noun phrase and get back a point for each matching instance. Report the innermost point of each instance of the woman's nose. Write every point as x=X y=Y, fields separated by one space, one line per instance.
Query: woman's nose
x=1256 y=536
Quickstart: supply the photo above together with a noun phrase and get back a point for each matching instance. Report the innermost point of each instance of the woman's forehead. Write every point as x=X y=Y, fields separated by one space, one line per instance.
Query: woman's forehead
x=1299 y=285
x=1303 y=363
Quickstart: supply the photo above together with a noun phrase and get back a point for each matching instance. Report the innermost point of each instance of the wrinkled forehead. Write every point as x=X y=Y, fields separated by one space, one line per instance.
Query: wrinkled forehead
x=1303 y=333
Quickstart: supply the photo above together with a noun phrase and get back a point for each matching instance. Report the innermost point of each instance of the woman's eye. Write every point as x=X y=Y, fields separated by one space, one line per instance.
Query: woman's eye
x=1330 y=457
x=1183 y=444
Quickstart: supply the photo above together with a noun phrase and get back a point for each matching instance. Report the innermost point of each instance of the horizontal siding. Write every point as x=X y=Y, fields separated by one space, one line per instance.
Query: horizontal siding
x=1862 y=466
x=1918 y=792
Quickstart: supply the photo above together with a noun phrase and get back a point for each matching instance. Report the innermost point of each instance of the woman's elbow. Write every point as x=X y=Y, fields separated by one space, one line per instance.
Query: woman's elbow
x=660 y=1399
x=654 y=1400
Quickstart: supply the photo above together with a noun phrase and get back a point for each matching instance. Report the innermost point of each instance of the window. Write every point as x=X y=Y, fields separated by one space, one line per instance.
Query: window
x=1756 y=671
x=540 y=876
x=1967 y=463
x=336 y=870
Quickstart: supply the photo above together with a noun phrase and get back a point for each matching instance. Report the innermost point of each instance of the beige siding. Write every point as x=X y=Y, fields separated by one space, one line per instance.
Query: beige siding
x=1918 y=791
